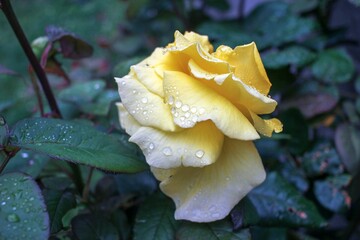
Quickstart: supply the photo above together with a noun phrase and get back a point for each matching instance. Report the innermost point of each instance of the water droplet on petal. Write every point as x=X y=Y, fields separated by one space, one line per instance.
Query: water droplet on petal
x=178 y=104
x=185 y=108
x=193 y=110
x=201 y=111
x=194 y=119
x=171 y=100
x=144 y=100
x=167 y=151
x=151 y=146
x=199 y=153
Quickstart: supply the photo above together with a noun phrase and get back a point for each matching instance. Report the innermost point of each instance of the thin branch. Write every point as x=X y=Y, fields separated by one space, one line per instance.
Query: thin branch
x=39 y=71
x=5 y=162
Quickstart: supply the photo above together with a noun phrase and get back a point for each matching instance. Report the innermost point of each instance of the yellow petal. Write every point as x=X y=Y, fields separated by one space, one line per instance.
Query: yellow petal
x=248 y=65
x=209 y=193
x=147 y=108
x=198 y=146
x=192 y=102
x=149 y=78
x=201 y=39
x=127 y=122
x=234 y=90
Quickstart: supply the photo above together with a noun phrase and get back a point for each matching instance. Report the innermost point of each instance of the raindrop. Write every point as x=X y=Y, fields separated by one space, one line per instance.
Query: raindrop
x=171 y=100
x=13 y=218
x=3 y=203
x=199 y=153
x=194 y=119
x=201 y=111
x=167 y=151
x=193 y=110
x=151 y=146
x=123 y=83
x=187 y=115
x=185 y=108
x=145 y=112
x=24 y=155
x=178 y=104
x=144 y=100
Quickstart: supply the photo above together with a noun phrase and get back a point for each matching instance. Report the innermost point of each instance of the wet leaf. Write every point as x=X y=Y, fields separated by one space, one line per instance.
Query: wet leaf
x=333 y=65
x=23 y=212
x=293 y=55
x=82 y=92
x=74 y=142
x=4 y=70
x=276 y=203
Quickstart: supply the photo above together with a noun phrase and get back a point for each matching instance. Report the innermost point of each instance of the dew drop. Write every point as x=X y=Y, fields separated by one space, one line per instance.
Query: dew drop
x=151 y=146
x=134 y=91
x=193 y=110
x=199 y=153
x=123 y=83
x=3 y=203
x=201 y=111
x=24 y=155
x=185 y=108
x=187 y=115
x=171 y=100
x=145 y=112
x=144 y=100
x=167 y=151
x=13 y=218
x=194 y=119
x=178 y=104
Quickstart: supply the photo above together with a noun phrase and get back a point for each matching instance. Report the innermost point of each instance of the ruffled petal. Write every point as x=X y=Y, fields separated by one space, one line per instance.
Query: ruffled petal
x=203 y=40
x=192 y=102
x=127 y=122
x=147 y=108
x=209 y=193
x=149 y=78
x=234 y=90
x=248 y=65
x=198 y=146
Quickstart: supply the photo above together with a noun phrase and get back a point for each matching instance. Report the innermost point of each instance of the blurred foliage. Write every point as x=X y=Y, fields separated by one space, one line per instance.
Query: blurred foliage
x=312 y=189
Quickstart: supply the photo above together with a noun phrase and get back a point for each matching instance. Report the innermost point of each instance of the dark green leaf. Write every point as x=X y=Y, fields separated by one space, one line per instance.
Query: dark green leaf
x=74 y=142
x=301 y=6
x=219 y=230
x=94 y=227
x=347 y=140
x=293 y=173
x=58 y=204
x=259 y=233
x=4 y=70
x=333 y=65
x=155 y=219
x=82 y=92
x=320 y=160
x=294 y=55
x=351 y=112
x=27 y=162
x=331 y=194
x=4 y=132
x=222 y=5
x=276 y=203
x=22 y=210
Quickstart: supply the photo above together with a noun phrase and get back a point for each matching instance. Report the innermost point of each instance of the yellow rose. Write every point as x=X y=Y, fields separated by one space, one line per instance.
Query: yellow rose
x=194 y=113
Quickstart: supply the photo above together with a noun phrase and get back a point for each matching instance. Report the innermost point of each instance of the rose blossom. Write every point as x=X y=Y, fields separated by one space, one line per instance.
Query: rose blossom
x=194 y=113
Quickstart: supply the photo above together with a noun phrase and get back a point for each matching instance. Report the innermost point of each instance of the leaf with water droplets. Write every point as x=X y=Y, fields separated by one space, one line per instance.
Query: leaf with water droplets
x=23 y=213
x=155 y=219
x=75 y=142
x=276 y=203
x=82 y=92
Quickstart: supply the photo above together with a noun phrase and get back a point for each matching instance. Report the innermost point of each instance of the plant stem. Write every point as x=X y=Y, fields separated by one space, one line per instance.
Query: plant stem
x=11 y=17
x=87 y=185
x=5 y=162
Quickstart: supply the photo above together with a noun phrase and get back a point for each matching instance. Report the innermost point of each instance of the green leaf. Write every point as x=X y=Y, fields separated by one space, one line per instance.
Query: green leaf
x=4 y=132
x=219 y=230
x=261 y=233
x=123 y=67
x=331 y=194
x=301 y=6
x=323 y=159
x=347 y=141
x=276 y=203
x=82 y=92
x=22 y=210
x=222 y=5
x=58 y=204
x=293 y=55
x=74 y=142
x=333 y=65
x=28 y=162
x=155 y=219
x=93 y=227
